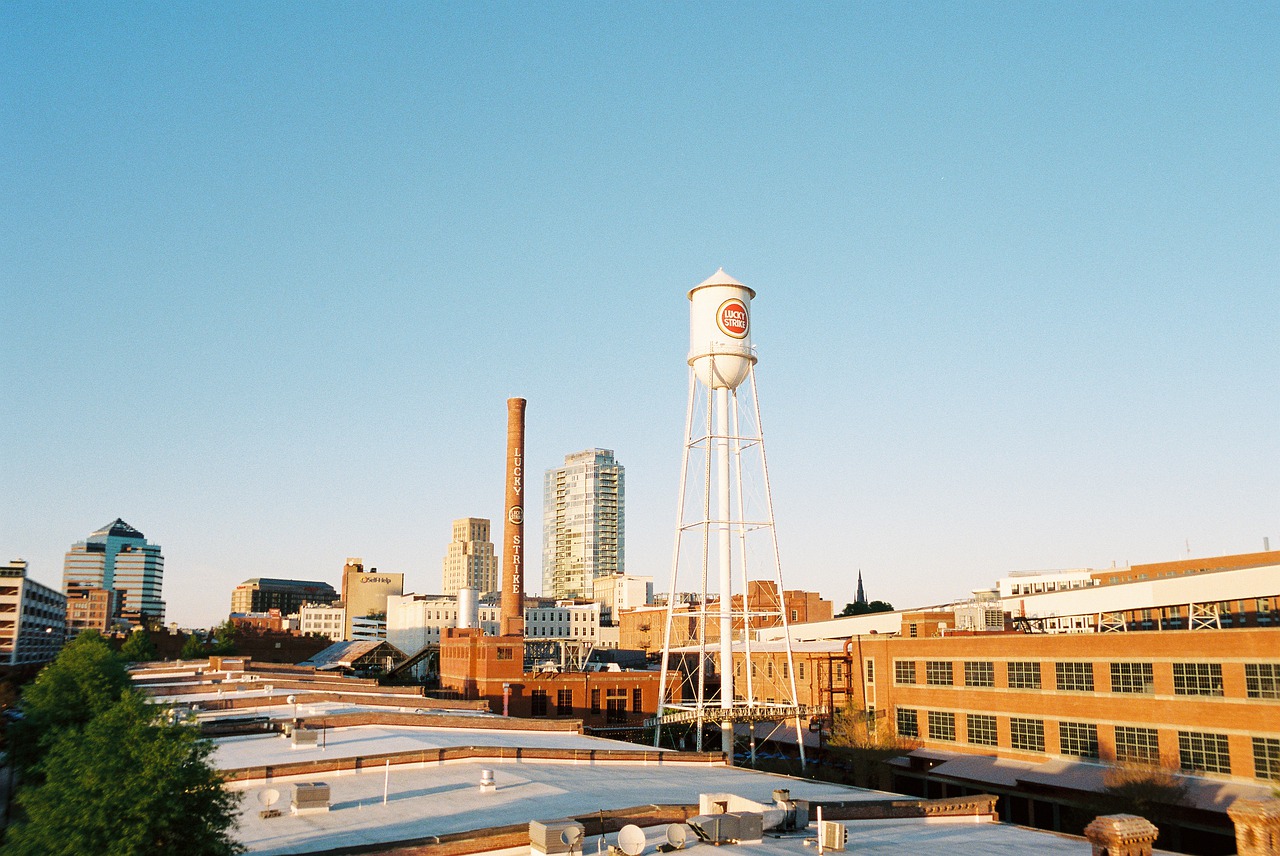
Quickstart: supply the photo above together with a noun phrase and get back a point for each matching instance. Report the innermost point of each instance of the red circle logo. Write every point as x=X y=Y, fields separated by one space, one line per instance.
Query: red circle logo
x=732 y=317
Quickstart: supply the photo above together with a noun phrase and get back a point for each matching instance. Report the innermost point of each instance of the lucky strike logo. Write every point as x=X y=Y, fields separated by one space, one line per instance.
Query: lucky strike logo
x=732 y=318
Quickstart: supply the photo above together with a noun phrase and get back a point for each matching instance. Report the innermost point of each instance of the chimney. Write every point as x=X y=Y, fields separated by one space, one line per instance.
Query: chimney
x=512 y=623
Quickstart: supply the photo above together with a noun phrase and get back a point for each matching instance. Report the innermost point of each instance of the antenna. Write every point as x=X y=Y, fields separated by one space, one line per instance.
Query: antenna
x=631 y=840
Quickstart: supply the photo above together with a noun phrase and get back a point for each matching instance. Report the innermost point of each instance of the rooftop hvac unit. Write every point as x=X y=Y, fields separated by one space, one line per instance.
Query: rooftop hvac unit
x=309 y=797
x=832 y=835
x=750 y=826
x=708 y=827
x=555 y=836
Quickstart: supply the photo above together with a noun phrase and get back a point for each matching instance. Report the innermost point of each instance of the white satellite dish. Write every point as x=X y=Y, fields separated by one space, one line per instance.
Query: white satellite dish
x=268 y=797
x=631 y=840
x=677 y=835
x=571 y=837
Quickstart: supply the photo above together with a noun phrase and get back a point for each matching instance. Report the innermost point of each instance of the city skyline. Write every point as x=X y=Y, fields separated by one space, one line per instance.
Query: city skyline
x=271 y=272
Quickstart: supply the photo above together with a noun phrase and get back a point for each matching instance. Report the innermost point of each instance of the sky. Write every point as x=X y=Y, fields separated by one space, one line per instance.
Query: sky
x=268 y=273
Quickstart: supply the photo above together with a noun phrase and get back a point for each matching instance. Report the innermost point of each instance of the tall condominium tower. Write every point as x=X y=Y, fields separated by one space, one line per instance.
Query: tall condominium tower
x=582 y=540
x=470 y=561
x=117 y=557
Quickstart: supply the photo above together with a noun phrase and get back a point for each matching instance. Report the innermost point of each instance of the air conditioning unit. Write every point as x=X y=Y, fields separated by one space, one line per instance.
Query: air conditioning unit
x=709 y=828
x=832 y=835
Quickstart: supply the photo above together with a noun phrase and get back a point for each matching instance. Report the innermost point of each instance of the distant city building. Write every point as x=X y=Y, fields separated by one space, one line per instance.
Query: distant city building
x=369 y=629
x=262 y=594
x=365 y=592
x=416 y=620
x=271 y=621
x=323 y=619
x=33 y=618
x=469 y=561
x=620 y=592
x=90 y=609
x=118 y=557
x=567 y=619
x=583 y=529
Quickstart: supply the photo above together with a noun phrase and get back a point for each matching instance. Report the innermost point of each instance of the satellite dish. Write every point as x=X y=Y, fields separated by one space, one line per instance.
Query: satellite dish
x=677 y=835
x=571 y=836
x=631 y=840
x=268 y=797
x=293 y=699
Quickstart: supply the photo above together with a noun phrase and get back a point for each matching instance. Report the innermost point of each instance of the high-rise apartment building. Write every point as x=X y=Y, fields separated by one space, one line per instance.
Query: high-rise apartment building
x=118 y=557
x=582 y=537
x=470 y=561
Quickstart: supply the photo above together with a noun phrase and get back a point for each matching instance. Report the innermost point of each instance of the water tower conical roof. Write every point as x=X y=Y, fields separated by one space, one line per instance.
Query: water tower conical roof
x=721 y=278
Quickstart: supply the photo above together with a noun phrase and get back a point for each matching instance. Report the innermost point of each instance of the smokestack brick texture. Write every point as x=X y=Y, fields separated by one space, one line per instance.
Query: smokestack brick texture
x=512 y=623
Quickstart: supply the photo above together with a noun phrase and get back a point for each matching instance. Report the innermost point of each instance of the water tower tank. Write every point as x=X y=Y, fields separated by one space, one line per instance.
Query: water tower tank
x=720 y=331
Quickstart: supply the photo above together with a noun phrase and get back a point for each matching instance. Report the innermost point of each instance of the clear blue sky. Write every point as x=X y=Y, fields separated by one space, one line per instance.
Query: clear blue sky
x=268 y=273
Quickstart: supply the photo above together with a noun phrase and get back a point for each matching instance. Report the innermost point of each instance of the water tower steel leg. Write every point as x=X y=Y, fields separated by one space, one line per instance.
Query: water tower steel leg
x=742 y=567
x=777 y=566
x=725 y=514
x=663 y=692
x=703 y=658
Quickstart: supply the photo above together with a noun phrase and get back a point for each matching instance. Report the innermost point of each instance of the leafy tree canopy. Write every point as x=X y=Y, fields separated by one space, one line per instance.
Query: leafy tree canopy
x=866 y=608
x=85 y=679
x=192 y=648
x=138 y=648
x=127 y=784
x=224 y=638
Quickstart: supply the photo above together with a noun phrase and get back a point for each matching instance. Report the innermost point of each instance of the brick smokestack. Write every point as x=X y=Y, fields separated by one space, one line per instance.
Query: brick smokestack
x=512 y=623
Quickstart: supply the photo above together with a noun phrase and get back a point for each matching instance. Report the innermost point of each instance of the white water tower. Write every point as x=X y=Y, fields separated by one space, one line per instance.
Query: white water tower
x=719 y=529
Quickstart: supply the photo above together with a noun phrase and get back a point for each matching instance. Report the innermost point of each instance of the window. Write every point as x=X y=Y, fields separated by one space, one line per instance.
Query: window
x=1199 y=750
x=637 y=699
x=1140 y=745
x=768 y=669
x=1197 y=679
x=871 y=671
x=615 y=705
x=564 y=702
x=1026 y=734
x=1262 y=680
x=982 y=729
x=1074 y=677
x=1131 y=678
x=942 y=725
x=839 y=670
x=800 y=670
x=981 y=673
x=1078 y=738
x=938 y=673
x=1266 y=758
x=912 y=631
x=908 y=722
x=786 y=672
x=595 y=701
x=504 y=653
x=1024 y=676
x=904 y=671
x=795 y=615
x=538 y=699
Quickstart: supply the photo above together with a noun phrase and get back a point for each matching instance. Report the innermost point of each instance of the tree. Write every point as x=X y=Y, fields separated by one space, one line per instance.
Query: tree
x=138 y=647
x=192 y=648
x=85 y=679
x=866 y=608
x=224 y=638
x=128 y=784
x=1142 y=789
x=865 y=744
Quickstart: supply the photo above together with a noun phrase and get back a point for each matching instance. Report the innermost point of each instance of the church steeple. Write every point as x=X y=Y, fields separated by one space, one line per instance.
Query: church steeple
x=862 y=595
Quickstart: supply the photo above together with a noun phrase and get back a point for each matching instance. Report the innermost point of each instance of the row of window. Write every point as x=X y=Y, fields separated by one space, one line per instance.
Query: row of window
x=615 y=702
x=1262 y=680
x=1197 y=750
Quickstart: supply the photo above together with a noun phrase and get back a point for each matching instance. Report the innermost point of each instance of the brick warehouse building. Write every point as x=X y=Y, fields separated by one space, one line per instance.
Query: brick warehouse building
x=475 y=666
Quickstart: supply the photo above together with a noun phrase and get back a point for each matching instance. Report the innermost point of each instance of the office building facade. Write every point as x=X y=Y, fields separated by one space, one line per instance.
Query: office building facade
x=583 y=524
x=118 y=557
x=32 y=618
x=469 y=560
x=262 y=594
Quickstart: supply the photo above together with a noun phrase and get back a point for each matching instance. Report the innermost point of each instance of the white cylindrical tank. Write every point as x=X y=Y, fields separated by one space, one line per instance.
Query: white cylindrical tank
x=720 y=331
x=468 y=608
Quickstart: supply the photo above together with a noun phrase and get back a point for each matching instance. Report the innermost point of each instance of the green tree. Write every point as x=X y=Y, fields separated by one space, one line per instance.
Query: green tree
x=138 y=647
x=84 y=679
x=864 y=744
x=128 y=784
x=866 y=608
x=192 y=648
x=224 y=638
